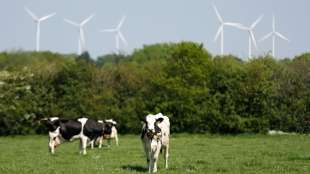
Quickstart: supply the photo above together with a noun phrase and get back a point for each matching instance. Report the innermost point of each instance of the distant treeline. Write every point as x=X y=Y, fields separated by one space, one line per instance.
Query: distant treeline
x=199 y=92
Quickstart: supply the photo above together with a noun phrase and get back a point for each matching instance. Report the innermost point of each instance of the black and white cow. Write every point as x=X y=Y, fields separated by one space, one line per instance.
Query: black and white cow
x=113 y=134
x=155 y=137
x=69 y=129
x=108 y=135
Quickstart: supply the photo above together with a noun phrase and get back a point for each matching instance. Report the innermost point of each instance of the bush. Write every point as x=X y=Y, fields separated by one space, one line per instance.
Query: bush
x=199 y=93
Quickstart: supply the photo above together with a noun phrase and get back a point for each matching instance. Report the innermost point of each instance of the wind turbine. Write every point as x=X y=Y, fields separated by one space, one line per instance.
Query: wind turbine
x=38 y=21
x=220 y=30
x=81 y=39
x=118 y=33
x=250 y=31
x=273 y=34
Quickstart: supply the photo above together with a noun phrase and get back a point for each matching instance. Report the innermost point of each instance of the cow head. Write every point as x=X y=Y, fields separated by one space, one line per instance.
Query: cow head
x=151 y=126
x=53 y=126
x=51 y=123
x=107 y=127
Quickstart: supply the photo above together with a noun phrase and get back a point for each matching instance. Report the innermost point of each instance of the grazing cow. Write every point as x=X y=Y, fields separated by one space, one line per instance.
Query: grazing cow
x=106 y=135
x=113 y=134
x=155 y=137
x=69 y=129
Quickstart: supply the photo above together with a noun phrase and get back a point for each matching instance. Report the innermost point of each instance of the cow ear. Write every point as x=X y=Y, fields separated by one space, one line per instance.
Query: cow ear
x=159 y=120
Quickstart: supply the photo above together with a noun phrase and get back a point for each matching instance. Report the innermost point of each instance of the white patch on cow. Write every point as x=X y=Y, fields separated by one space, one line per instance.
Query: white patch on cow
x=53 y=118
x=75 y=137
x=82 y=121
x=111 y=121
x=114 y=135
x=150 y=121
x=83 y=137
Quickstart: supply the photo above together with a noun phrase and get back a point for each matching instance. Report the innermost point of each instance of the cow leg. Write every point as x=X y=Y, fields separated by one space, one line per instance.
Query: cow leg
x=51 y=145
x=116 y=140
x=150 y=162
x=166 y=156
x=155 y=159
x=83 y=145
x=92 y=142
x=100 y=142
x=147 y=153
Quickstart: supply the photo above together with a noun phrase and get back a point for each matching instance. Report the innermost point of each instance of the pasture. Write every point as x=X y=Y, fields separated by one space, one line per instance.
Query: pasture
x=189 y=154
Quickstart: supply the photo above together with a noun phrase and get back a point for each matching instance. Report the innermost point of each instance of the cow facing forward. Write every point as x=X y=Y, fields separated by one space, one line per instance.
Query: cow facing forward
x=113 y=134
x=69 y=129
x=106 y=135
x=155 y=137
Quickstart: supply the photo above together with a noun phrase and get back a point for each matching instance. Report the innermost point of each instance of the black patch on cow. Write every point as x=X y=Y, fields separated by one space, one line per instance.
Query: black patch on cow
x=93 y=129
x=144 y=131
x=51 y=125
x=70 y=128
x=159 y=120
x=107 y=128
x=157 y=129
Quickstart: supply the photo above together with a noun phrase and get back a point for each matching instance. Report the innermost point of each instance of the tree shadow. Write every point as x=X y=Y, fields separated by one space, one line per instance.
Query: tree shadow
x=135 y=167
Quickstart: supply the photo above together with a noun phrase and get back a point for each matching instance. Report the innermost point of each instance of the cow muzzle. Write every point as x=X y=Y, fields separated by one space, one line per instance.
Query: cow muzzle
x=151 y=134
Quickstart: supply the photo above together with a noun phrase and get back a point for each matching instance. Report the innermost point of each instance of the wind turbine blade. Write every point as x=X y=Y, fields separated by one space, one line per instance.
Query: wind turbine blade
x=108 y=30
x=257 y=21
x=87 y=19
x=47 y=16
x=253 y=39
x=121 y=22
x=273 y=24
x=265 y=37
x=122 y=38
x=34 y=17
x=218 y=32
x=281 y=36
x=237 y=25
x=218 y=14
x=71 y=22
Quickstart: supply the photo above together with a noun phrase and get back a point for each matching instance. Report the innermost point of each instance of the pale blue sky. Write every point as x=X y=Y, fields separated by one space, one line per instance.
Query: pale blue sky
x=154 y=21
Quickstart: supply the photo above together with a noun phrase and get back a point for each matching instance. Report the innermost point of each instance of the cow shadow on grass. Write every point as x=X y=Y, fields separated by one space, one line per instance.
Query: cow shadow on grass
x=136 y=168
x=299 y=158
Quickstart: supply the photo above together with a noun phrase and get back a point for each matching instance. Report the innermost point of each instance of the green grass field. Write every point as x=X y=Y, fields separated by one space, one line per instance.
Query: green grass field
x=189 y=154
